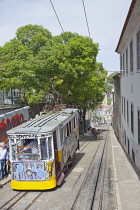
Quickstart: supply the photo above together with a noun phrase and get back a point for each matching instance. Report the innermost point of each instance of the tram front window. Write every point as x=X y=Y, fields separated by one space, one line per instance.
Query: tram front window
x=32 y=151
x=29 y=152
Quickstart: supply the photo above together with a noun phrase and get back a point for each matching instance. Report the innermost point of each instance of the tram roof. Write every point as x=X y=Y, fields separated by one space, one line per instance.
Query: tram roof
x=42 y=124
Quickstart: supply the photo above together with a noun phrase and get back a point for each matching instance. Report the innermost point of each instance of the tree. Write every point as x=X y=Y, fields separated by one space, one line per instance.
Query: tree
x=84 y=78
x=110 y=79
x=33 y=36
x=108 y=101
x=19 y=64
x=108 y=87
x=63 y=65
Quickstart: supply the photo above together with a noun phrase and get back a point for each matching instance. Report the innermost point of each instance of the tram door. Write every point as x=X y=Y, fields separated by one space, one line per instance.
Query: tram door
x=57 y=168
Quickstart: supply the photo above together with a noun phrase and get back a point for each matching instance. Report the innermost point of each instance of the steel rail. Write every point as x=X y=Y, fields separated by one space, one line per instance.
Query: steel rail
x=30 y=204
x=91 y=170
x=86 y=141
x=100 y=179
x=83 y=183
x=4 y=205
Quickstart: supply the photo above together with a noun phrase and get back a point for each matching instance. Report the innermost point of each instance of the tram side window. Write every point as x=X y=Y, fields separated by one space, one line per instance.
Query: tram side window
x=69 y=127
x=43 y=148
x=67 y=130
x=61 y=136
x=13 y=149
x=50 y=147
x=55 y=140
x=72 y=126
x=65 y=133
x=74 y=122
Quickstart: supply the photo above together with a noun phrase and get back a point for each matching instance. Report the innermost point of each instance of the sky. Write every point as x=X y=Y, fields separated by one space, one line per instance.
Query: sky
x=105 y=20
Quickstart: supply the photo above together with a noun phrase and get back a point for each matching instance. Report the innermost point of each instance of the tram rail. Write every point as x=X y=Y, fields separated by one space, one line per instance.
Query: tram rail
x=16 y=198
x=90 y=191
x=13 y=200
x=34 y=200
x=86 y=141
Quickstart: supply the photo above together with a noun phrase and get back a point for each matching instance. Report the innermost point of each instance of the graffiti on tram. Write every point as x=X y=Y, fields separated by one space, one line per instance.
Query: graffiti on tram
x=29 y=171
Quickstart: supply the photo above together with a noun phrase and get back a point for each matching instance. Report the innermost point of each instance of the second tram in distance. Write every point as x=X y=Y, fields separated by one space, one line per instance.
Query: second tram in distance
x=42 y=148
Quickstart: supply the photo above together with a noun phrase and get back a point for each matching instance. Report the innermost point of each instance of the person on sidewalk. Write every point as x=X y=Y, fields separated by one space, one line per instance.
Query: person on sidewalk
x=8 y=163
x=95 y=132
x=3 y=159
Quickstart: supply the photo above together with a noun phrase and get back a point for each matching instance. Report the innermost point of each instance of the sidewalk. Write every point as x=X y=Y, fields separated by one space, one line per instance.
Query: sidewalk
x=126 y=180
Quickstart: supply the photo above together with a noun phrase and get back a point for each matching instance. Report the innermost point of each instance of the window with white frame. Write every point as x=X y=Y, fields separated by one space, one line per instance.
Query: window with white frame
x=131 y=57
x=127 y=112
x=125 y=137
x=126 y=59
x=124 y=107
x=139 y=126
x=132 y=118
x=128 y=145
x=123 y=64
x=138 y=51
x=122 y=104
x=133 y=155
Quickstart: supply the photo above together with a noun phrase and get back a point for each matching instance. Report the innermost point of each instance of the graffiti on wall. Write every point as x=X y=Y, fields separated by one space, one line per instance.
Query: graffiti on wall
x=11 y=120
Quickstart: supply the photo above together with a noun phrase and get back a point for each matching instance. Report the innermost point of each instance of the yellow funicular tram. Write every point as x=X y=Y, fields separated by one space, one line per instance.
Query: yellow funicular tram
x=42 y=148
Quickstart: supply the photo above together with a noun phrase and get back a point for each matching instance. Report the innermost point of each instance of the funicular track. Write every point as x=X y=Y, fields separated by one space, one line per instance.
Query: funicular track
x=90 y=193
x=86 y=141
x=27 y=207
x=13 y=200
x=10 y=204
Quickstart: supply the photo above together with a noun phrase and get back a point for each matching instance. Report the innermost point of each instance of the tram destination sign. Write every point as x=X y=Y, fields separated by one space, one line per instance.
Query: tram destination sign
x=28 y=136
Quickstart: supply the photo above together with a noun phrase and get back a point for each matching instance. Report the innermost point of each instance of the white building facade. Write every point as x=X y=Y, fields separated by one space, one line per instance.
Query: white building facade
x=129 y=49
x=116 y=122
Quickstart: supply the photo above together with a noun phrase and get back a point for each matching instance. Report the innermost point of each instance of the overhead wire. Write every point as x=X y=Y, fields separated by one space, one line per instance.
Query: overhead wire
x=57 y=16
x=86 y=18
x=60 y=22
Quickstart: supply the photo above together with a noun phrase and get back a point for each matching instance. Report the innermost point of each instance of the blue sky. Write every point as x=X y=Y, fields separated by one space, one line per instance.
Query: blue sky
x=105 y=19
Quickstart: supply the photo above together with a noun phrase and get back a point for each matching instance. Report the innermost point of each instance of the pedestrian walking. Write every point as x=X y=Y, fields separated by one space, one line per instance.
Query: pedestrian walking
x=3 y=159
x=8 y=163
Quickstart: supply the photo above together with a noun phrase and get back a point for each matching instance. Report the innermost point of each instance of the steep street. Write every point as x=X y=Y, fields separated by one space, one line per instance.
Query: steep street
x=101 y=177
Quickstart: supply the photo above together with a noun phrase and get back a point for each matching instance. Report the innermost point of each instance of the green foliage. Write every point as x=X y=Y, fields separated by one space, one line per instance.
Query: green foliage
x=108 y=101
x=33 y=36
x=108 y=87
x=64 y=65
x=110 y=78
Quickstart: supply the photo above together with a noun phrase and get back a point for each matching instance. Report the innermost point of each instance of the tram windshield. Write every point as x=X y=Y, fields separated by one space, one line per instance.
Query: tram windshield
x=31 y=149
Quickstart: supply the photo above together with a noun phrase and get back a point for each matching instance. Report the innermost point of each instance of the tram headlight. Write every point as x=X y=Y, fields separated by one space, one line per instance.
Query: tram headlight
x=29 y=172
